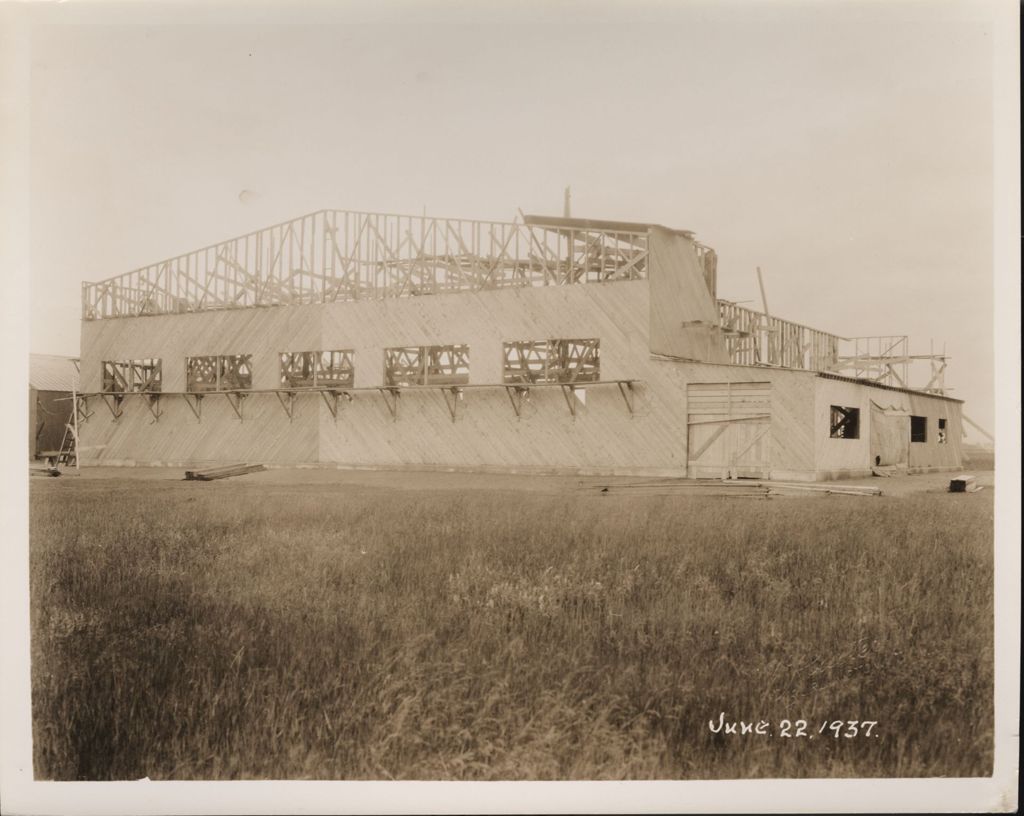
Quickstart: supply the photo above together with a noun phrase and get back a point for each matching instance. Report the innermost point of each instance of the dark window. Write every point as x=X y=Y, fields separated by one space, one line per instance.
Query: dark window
x=844 y=423
x=560 y=360
x=918 y=429
x=121 y=376
x=942 y=431
x=427 y=365
x=318 y=369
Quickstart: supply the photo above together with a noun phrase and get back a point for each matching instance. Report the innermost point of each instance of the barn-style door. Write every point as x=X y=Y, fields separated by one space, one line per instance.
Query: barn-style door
x=729 y=430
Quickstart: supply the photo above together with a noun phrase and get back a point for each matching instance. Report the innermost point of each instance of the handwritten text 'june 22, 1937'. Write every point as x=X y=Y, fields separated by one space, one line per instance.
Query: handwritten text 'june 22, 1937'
x=837 y=729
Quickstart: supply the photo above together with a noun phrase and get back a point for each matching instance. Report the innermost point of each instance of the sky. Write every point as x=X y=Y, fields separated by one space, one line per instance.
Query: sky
x=843 y=148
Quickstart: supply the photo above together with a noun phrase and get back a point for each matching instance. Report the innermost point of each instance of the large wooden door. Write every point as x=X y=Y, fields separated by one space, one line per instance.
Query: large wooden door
x=729 y=430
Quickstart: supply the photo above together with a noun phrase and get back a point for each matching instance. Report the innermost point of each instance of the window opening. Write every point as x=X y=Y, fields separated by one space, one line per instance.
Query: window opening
x=132 y=375
x=554 y=360
x=426 y=365
x=844 y=423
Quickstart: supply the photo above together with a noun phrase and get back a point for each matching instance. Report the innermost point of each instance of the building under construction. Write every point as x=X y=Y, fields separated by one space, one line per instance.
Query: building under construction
x=554 y=345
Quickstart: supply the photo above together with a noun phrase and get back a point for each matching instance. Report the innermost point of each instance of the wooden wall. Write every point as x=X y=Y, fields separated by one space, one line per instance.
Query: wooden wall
x=683 y=312
x=603 y=437
x=792 y=397
x=850 y=457
x=837 y=458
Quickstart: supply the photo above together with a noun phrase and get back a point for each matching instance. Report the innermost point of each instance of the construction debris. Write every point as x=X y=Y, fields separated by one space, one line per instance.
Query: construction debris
x=963 y=484
x=221 y=472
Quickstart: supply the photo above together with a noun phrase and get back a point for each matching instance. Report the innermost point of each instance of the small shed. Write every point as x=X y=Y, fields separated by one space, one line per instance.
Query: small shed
x=51 y=380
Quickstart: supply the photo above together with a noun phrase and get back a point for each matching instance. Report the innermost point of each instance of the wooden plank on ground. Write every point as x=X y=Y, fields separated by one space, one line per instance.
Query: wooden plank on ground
x=221 y=472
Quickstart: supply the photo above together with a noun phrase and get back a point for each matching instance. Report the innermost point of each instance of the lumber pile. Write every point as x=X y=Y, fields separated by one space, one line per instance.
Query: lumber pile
x=221 y=472
x=963 y=484
x=731 y=488
x=839 y=490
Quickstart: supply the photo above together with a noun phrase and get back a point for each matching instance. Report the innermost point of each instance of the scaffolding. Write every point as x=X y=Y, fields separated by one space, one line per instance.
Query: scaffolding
x=757 y=339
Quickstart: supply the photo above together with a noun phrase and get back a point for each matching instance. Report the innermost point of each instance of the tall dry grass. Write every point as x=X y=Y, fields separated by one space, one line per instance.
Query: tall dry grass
x=207 y=633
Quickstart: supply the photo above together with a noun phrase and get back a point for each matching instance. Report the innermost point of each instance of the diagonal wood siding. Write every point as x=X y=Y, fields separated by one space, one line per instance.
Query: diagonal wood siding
x=486 y=434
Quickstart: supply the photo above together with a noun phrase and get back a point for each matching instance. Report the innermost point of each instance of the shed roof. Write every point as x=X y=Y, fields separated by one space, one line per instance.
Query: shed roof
x=51 y=372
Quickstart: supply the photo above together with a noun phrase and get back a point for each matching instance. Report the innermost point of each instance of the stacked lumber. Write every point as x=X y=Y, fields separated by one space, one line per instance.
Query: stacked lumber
x=695 y=487
x=963 y=484
x=221 y=472
x=732 y=488
x=839 y=490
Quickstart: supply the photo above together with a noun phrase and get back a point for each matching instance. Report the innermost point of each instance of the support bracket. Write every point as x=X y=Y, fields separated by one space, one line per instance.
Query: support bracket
x=197 y=408
x=628 y=395
x=236 y=402
x=288 y=404
x=153 y=403
x=83 y=409
x=113 y=402
x=452 y=401
x=330 y=397
x=392 y=401
x=516 y=394
x=569 y=392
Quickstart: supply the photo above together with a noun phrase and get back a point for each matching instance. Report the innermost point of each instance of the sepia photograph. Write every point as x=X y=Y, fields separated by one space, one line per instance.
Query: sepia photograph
x=561 y=393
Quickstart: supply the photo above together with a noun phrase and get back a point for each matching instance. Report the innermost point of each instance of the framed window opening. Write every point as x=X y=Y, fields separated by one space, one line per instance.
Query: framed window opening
x=426 y=365
x=844 y=423
x=552 y=361
x=318 y=369
x=941 y=437
x=918 y=429
x=122 y=376
x=228 y=372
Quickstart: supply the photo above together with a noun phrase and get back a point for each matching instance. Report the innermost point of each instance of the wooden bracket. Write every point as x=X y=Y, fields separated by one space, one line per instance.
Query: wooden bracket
x=83 y=409
x=452 y=401
x=516 y=394
x=236 y=403
x=288 y=404
x=114 y=404
x=569 y=392
x=153 y=403
x=626 y=389
x=331 y=399
x=197 y=408
x=391 y=402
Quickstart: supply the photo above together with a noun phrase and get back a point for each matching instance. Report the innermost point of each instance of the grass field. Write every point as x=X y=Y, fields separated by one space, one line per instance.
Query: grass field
x=252 y=630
